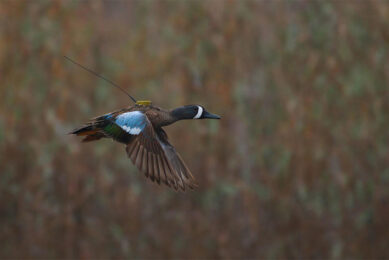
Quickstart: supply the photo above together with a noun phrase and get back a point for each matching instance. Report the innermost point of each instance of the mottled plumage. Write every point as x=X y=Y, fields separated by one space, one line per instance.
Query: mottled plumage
x=140 y=129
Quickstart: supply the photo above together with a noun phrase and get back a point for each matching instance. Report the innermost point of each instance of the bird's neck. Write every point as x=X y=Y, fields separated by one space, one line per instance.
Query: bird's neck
x=181 y=113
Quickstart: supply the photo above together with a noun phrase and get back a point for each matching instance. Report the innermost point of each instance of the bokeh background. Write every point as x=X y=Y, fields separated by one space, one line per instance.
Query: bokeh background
x=297 y=167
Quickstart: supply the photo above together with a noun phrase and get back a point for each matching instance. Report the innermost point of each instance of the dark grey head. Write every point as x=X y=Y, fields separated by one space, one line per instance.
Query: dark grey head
x=192 y=112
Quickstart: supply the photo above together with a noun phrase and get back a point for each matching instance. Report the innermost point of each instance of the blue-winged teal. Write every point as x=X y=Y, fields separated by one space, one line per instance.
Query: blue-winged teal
x=140 y=128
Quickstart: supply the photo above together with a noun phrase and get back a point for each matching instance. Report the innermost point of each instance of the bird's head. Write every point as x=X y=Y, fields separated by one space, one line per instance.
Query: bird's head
x=192 y=112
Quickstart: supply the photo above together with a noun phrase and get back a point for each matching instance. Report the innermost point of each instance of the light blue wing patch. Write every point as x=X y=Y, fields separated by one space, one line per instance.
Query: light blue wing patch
x=132 y=122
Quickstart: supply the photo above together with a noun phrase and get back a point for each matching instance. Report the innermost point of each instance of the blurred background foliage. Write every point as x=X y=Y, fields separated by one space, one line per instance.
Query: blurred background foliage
x=297 y=167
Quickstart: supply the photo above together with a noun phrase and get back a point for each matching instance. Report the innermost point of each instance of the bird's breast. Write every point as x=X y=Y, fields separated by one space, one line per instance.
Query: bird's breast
x=159 y=118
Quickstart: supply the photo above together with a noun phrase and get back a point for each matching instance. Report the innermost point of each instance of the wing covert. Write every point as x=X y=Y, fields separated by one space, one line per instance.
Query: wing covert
x=132 y=122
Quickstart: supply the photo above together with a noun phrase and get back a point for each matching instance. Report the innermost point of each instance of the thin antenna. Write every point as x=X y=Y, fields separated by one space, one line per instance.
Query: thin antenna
x=97 y=75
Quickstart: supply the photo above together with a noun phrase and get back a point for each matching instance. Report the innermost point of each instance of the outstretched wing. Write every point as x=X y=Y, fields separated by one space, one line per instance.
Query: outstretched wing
x=152 y=154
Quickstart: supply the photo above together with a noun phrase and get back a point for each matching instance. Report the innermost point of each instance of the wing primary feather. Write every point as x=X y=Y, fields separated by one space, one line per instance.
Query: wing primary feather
x=167 y=169
x=176 y=177
x=171 y=178
x=144 y=162
x=134 y=153
x=162 y=170
x=139 y=157
x=130 y=148
x=156 y=168
x=155 y=162
x=150 y=166
x=176 y=169
x=191 y=181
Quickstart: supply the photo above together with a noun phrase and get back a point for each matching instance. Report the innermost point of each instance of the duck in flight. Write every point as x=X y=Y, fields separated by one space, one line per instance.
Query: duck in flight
x=139 y=127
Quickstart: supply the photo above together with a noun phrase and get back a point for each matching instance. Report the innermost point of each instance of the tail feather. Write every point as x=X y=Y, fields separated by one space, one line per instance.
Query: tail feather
x=91 y=131
x=93 y=137
x=94 y=129
x=84 y=130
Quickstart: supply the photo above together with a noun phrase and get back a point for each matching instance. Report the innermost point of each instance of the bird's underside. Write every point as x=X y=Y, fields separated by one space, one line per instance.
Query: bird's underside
x=146 y=145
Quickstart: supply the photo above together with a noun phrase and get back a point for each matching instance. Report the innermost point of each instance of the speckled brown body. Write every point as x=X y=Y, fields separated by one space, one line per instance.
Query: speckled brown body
x=158 y=117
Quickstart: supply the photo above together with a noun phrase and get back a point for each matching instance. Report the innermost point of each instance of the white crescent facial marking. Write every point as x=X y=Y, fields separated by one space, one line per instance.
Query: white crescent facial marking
x=199 y=113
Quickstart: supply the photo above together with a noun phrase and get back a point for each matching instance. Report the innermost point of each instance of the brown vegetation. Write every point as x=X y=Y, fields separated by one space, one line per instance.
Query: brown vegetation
x=297 y=168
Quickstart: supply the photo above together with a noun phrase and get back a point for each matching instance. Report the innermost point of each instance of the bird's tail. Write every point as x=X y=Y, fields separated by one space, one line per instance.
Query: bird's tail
x=92 y=131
